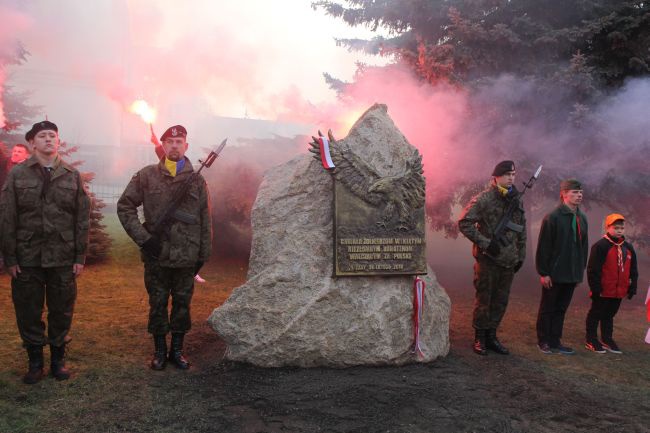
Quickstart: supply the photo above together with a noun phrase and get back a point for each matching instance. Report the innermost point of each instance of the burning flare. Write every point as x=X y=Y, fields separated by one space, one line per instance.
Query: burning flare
x=142 y=109
x=347 y=119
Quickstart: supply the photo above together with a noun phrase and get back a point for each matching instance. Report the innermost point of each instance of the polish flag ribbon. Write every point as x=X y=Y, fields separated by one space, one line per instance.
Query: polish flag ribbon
x=418 y=304
x=647 y=306
x=325 y=156
x=647 y=302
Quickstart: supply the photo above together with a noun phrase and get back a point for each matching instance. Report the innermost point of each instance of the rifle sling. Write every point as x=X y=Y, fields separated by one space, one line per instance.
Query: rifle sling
x=171 y=211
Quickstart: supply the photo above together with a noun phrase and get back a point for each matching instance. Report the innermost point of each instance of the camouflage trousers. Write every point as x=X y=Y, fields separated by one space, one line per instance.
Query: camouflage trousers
x=32 y=288
x=492 y=283
x=161 y=282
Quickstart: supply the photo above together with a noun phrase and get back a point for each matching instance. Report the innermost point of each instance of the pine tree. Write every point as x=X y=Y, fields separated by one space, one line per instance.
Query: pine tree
x=99 y=242
x=16 y=111
x=465 y=40
x=555 y=61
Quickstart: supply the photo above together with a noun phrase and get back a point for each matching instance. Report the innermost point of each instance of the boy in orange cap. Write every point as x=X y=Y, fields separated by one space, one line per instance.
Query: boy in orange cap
x=612 y=274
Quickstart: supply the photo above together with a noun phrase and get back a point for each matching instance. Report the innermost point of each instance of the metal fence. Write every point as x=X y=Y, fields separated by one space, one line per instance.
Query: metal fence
x=108 y=193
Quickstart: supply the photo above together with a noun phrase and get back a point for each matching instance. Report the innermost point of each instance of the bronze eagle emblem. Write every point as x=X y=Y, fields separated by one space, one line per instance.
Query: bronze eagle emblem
x=401 y=195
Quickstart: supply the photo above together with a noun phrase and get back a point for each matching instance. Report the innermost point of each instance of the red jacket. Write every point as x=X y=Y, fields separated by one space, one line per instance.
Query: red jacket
x=607 y=277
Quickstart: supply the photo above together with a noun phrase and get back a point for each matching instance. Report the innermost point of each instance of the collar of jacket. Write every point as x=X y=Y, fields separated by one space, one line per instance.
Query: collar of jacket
x=59 y=165
x=495 y=189
x=616 y=240
x=187 y=168
x=567 y=210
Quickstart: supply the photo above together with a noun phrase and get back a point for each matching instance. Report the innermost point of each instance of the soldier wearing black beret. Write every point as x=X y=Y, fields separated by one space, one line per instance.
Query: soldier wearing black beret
x=45 y=224
x=45 y=125
x=496 y=261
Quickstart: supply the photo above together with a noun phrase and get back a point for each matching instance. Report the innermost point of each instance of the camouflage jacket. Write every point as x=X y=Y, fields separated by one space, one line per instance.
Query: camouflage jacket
x=44 y=226
x=480 y=219
x=183 y=242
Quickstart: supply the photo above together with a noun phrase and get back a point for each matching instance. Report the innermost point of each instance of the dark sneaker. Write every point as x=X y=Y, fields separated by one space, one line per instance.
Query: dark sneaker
x=545 y=348
x=611 y=346
x=564 y=350
x=595 y=346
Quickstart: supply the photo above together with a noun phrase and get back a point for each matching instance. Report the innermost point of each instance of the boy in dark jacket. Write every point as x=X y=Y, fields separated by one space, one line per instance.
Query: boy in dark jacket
x=560 y=259
x=612 y=274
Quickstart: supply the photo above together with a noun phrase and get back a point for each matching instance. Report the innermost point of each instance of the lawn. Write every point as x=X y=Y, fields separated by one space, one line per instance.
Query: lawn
x=113 y=390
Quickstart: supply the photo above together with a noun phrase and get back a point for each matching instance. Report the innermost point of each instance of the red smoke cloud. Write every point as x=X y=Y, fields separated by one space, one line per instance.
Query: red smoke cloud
x=12 y=22
x=431 y=118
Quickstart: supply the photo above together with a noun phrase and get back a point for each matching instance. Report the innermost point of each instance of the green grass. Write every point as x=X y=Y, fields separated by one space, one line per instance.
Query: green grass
x=112 y=385
x=113 y=390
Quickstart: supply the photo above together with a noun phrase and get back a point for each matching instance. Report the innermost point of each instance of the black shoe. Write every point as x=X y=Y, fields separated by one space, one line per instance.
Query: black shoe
x=564 y=350
x=57 y=363
x=494 y=344
x=159 y=359
x=594 y=345
x=35 y=372
x=176 y=352
x=479 y=345
x=610 y=346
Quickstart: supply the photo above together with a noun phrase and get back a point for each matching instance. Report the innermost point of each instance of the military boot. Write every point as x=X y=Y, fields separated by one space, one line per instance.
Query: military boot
x=159 y=359
x=176 y=352
x=494 y=344
x=35 y=372
x=57 y=363
x=479 y=342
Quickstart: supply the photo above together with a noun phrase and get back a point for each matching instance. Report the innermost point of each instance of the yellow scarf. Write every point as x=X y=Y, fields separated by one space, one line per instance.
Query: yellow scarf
x=174 y=167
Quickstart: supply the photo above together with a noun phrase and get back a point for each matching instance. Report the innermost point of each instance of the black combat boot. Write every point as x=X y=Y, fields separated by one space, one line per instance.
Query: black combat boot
x=494 y=344
x=35 y=372
x=159 y=359
x=479 y=342
x=176 y=352
x=57 y=363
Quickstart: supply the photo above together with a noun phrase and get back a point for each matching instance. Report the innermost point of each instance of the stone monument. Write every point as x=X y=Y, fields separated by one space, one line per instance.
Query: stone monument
x=293 y=310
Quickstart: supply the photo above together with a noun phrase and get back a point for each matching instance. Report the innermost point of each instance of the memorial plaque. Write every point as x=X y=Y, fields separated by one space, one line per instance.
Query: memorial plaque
x=379 y=224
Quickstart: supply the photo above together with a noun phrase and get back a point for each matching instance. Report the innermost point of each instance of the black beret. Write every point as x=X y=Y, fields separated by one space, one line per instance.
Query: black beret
x=569 y=184
x=40 y=126
x=503 y=167
x=174 y=131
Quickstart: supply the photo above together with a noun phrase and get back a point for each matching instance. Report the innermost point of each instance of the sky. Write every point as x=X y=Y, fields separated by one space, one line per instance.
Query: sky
x=89 y=60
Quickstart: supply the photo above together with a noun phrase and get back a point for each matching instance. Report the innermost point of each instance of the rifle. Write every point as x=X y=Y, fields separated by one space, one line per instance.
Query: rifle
x=506 y=222
x=172 y=211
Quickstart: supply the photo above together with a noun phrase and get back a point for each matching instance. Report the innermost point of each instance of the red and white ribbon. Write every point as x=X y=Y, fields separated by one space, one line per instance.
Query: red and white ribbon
x=647 y=305
x=325 y=156
x=418 y=304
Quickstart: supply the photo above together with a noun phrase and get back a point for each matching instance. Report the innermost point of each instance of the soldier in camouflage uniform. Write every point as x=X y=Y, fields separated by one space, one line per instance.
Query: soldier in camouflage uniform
x=496 y=262
x=45 y=221
x=171 y=260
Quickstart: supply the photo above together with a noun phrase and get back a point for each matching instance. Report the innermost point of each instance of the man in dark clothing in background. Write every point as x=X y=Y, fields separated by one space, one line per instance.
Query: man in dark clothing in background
x=561 y=259
x=19 y=153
